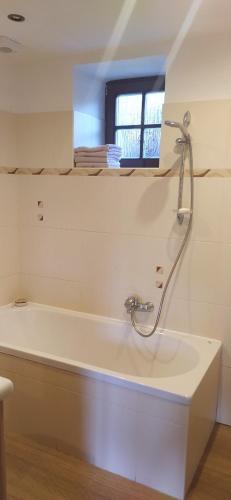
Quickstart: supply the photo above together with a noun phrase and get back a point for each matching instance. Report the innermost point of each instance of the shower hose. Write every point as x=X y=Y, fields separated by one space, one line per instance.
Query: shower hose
x=179 y=254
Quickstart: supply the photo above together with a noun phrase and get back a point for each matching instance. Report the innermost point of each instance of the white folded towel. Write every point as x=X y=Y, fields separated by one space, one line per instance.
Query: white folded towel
x=104 y=156
x=98 y=154
x=97 y=165
x=105 y=147
x=97 y=159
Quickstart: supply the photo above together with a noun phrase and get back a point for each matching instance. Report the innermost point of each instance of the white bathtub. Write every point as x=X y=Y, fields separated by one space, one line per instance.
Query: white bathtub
x=130 y=405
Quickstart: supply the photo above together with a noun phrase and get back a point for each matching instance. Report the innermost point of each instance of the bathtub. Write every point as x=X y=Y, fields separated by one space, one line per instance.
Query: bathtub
x=141 y=408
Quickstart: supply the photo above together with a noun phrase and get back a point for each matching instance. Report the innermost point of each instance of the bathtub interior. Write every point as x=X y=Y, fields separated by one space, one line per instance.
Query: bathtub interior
x=171 y=362
x=96 y=341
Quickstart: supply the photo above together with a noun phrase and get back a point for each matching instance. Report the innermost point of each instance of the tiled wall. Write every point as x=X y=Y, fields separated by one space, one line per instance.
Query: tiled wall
x=102 y=238
x=9 y=239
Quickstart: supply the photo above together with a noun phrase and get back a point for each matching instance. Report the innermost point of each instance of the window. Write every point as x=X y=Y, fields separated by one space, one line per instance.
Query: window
x=133 y=113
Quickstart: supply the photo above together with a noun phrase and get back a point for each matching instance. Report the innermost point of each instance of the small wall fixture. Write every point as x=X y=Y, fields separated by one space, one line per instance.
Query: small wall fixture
x=6 y=50
x=17 y=18
x=7 y=45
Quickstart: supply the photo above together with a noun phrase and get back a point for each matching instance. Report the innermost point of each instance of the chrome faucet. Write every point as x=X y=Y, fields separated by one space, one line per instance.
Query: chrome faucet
x=133 y=303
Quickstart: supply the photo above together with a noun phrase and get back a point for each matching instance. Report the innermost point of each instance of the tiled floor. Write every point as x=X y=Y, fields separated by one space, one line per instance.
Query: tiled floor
x=37 y=472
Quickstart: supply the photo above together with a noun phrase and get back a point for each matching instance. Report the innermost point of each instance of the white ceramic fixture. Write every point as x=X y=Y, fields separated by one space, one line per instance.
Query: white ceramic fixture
x=141 y=408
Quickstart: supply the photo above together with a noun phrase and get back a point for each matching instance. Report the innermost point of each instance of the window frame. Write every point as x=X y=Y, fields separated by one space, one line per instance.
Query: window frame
x=141 y=85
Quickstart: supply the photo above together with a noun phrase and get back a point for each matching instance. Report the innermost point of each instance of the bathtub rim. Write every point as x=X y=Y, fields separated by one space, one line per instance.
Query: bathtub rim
x=140 y=384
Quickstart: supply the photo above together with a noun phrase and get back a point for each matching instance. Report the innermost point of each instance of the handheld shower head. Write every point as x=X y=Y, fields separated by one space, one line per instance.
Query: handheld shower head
x=170 y=123
x=181 y=126
x=178 y=125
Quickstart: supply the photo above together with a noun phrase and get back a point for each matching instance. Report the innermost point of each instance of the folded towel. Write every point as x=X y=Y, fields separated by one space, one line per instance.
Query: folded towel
x=99 y=154
x=105 y=147
x=97 y=165
x=102 y=156
x=97 y=159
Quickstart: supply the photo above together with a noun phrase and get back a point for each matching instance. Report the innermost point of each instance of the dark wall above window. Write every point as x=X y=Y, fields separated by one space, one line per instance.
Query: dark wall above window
x=133 y=115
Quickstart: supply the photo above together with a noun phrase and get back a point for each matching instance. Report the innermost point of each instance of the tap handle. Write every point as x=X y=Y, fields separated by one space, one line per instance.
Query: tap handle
x=131 y=303
x=134 y=304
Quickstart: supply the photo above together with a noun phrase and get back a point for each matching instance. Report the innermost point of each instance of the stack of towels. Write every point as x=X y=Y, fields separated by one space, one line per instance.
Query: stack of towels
x=105 y=156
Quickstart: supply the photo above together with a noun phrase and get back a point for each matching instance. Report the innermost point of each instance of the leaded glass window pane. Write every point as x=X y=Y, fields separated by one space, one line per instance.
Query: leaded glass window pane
x=129 y=141
x=128 y=109
x=151 y=146
x=153 y=107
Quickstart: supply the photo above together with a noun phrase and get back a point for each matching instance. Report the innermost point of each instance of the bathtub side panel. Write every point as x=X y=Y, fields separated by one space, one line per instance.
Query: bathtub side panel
x=202 y=418
x=161 y=455
x=103 y=433
x=120 y=430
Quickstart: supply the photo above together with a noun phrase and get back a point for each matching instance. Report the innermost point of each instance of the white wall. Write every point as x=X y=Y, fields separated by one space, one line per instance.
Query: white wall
x=199 y=78
x=200 y=71
x=44 y=140
x=210 y=130
x=43 y=87
x=9 y=237
x=7 y=87
x=199 y=81
x=8 y=140
x=88 y=102
x=8 y=136
x=88 y=130
x=37 y=129
x=9 y=190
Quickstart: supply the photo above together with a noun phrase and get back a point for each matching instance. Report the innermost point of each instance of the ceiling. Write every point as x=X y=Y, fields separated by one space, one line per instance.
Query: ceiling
x=127 y=68
x=66 y=28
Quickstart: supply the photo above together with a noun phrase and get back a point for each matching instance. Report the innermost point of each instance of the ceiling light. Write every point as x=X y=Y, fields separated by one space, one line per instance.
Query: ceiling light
x=18 y=18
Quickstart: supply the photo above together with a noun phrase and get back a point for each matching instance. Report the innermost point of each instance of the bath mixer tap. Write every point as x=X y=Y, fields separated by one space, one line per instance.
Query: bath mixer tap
x=133 y=303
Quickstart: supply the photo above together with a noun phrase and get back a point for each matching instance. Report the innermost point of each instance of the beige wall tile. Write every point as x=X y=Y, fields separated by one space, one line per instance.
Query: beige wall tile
x=52 y=291
x=200 y=318
x=9 y=254
x=9 y=288
x=115 y=205
x=224 y=229
x=101 y=240
x=9 y=237
x=196 y=277
x=9 y=200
